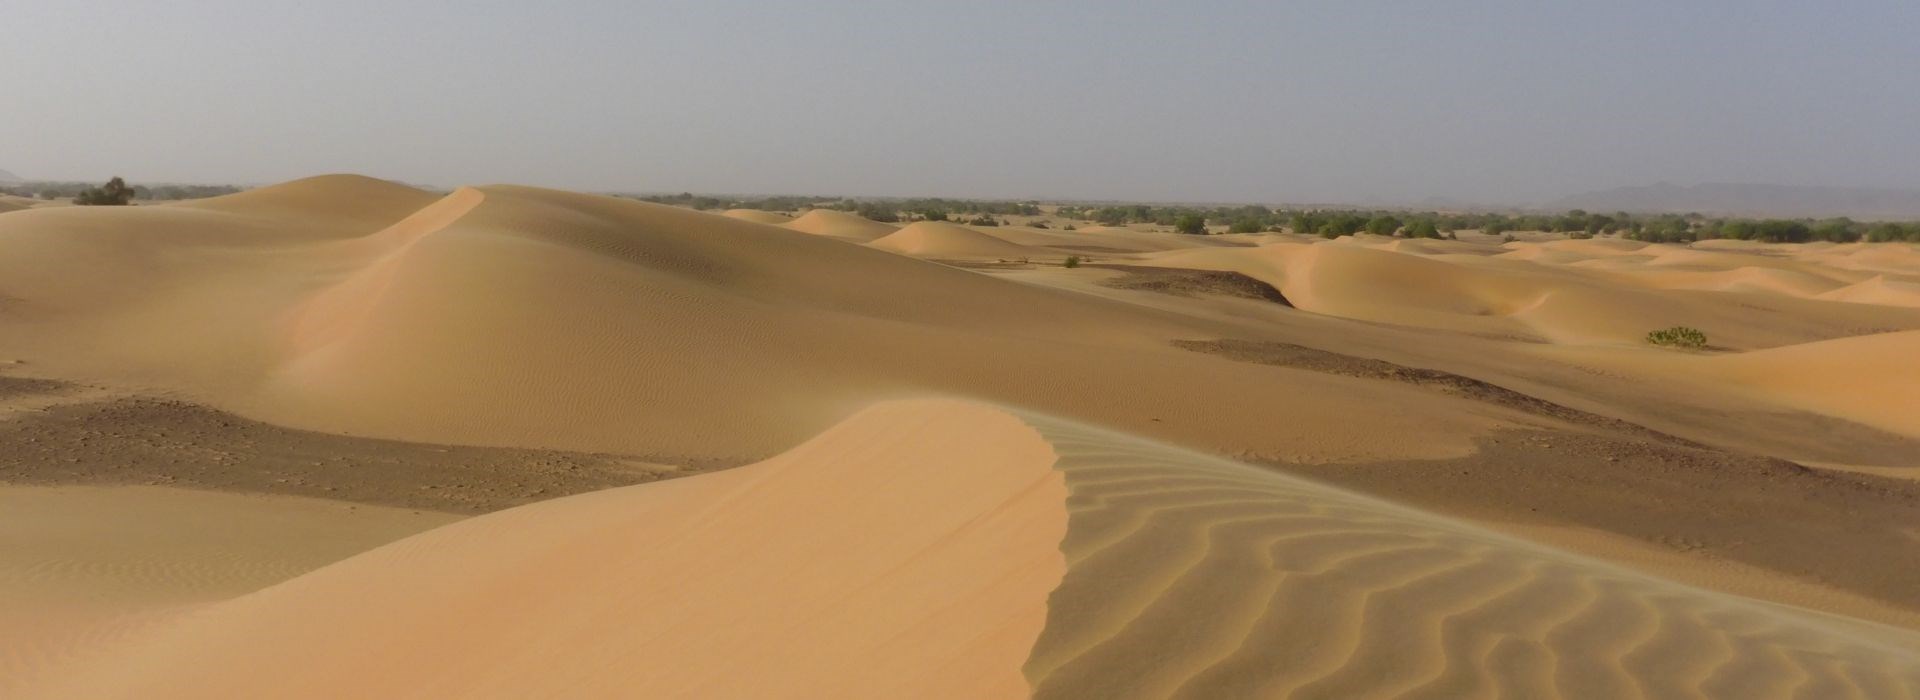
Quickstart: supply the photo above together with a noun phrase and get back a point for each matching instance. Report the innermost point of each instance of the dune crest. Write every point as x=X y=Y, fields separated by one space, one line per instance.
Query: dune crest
x=839 y=224
x=1194 y=576
x=938 y=239
x=935 y=548
x=757 y=216
x=907 y=552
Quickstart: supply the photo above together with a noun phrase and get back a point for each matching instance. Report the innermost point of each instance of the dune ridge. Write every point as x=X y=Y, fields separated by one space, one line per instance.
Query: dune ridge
x=839 y=224
x=757 y=216
x=989 y=553
x=1193 y=576
x=931 y=575
x=938 y=239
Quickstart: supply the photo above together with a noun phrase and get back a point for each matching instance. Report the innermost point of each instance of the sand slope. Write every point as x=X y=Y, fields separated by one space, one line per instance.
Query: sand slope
x=938 y=239
x=906 y=553
x=1738 y=304
x=839 y=224
x=757 y=216
x=82 y=567
x=1870 y=379
x=1192 y=576
x=521 y=317
x=940 y=549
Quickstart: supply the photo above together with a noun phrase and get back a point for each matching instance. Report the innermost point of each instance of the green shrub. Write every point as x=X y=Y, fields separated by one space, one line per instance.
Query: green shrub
x=1191 y=224
x=114 y=193
x=1383 y=225
x=1679 y=337
x=1072 y=261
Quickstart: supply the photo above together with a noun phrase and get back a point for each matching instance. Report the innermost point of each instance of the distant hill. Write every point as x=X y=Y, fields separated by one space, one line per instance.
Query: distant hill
x=7 y=177
x=1742 y=199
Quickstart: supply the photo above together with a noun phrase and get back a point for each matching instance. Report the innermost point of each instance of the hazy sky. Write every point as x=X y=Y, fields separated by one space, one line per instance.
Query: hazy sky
x=1213 y=101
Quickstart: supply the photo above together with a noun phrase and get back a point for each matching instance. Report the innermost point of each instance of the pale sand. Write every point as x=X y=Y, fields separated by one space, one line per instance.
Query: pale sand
x=517 y=317
x=988 y=554
x=919 y=539
x=757 y=216
x=839 y=224
x=523 y=318
x=938 y=239
x=81 y=567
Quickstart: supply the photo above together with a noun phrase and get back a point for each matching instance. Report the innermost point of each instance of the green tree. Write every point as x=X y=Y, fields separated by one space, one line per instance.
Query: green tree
x=1383 y=225
x=1191 y=224
x=1422 y=228
x=114 y=193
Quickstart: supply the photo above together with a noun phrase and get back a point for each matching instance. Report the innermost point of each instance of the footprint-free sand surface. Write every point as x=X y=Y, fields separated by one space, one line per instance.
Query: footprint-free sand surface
x=754 y=455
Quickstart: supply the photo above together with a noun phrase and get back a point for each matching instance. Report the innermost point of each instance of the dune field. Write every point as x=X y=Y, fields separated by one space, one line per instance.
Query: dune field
x=362 y=440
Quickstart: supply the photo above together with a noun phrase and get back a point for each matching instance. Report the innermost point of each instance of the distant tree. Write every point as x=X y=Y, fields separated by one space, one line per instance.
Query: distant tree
x=934 y=215
x=1839 y=230
x=1246 y=226
x=114 y=193
x=1383 y=225
x=1191 y=224
x=1889 y=231
x=1422 y=228
x=876 y=212
x=983 y=220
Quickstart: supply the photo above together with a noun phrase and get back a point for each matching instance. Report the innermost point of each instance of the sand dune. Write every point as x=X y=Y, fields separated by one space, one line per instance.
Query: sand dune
x=1527 y=298
x=7 y=205
x=937 y=239
x=839 y=224
x=757 y=216
x=906 y=553
x=1877 y=290
x=947 y=547
x=1870 y=379
x=333 y=204
x=992 y=555
x=84 y=567
x=520 y=317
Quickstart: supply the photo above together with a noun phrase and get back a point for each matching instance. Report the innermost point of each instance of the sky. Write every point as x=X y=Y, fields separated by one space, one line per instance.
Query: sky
x=1507 y=102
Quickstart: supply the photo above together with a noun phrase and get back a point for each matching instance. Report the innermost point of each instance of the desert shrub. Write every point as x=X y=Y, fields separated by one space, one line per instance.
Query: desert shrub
x=1678 y=337
x=1069 y=227
x=1246 y=226
x=1039 y=224
x=1072 y=261
x=1422 y=228
x=1190 y=224
x=934 y=215
x=1383 y=225
x=983 y=220
x=876 y=212
x=114 y=193
x=1507 y=238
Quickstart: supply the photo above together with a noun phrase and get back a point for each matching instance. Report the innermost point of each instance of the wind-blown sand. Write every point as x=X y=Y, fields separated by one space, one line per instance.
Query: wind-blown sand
x=1096 y=500
x=988 y=555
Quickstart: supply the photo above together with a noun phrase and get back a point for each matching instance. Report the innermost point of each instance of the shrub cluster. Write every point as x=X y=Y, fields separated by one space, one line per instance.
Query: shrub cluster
x=1678 y=337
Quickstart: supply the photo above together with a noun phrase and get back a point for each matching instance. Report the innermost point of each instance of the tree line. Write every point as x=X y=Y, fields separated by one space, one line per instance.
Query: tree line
x=52 y=190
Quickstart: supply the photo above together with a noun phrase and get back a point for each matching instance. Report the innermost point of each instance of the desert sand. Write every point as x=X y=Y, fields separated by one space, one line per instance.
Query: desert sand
x=742 y=455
